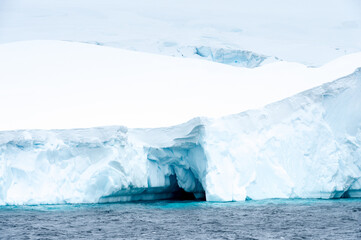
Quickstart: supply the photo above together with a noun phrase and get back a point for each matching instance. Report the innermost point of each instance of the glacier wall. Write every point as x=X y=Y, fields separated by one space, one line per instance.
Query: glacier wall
x=104 y=164
x=306 y=146
x=79 y=165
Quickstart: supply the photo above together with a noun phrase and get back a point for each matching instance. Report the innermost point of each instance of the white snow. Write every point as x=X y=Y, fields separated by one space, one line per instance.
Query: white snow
x=310 y=32
x=307 y=145
x=55 y=84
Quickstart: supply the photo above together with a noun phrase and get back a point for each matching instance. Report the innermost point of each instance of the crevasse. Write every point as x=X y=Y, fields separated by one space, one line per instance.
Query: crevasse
x=306 y=146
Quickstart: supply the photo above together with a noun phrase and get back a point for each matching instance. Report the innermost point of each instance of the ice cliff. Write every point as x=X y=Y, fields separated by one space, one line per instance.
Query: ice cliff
x=305 y=146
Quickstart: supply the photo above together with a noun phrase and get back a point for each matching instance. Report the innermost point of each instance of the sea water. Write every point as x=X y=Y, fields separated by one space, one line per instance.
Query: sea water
x=267 y=219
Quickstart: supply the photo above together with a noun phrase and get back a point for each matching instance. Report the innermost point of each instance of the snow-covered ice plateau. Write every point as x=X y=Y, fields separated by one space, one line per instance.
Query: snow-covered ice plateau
x=306 y=144
x=57 y=84
x=237 y=32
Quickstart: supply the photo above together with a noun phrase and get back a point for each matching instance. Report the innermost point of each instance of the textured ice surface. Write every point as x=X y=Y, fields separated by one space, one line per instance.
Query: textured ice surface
x=305 y=146
x=310 y=32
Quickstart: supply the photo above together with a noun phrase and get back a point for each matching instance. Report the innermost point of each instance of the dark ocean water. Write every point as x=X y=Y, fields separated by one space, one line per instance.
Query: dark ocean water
x=269 y=219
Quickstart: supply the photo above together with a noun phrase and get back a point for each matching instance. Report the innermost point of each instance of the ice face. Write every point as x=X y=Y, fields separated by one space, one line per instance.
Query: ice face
x=68 y=166
x=306 y=146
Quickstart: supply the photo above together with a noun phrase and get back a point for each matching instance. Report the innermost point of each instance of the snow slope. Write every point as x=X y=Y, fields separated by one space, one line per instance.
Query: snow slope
x=306 y=145
x=308 y=32
x=54 y=84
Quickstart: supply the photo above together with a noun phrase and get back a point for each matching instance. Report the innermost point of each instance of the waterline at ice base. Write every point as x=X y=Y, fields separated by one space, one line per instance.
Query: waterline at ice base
x=301 y=143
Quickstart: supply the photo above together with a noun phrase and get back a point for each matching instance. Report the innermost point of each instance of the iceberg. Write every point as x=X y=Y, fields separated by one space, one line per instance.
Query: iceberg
x=306 y=145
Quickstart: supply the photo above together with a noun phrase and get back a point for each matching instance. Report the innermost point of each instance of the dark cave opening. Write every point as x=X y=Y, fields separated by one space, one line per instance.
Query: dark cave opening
x=180 y=194
x=171 y=192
